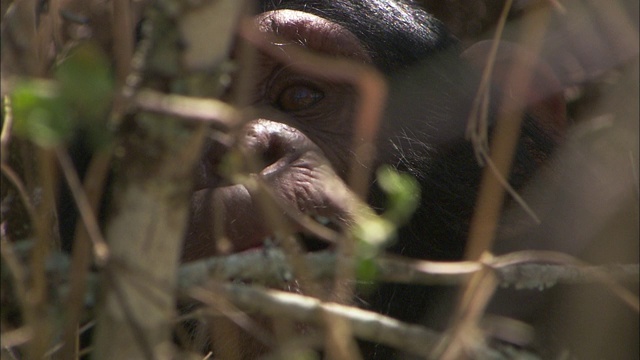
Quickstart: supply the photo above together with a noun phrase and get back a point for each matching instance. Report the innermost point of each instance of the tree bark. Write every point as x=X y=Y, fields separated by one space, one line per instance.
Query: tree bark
x=154 y=182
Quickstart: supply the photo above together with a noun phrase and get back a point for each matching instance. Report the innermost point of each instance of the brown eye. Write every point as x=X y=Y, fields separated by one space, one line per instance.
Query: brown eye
x=298 y=97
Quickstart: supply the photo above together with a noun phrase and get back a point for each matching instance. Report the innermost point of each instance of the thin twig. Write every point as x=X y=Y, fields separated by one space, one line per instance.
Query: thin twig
x=484 y=221
x=221 y=305
x=15 y=180
x=122 y=30
x=17 y=272
x=100 y=248
x=217 y=114
x=5 y=136
x=47 y=240
x=81 y=257
x=366 y=325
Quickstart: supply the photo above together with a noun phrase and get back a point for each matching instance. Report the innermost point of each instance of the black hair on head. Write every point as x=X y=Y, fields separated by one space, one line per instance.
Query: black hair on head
x=396 y=33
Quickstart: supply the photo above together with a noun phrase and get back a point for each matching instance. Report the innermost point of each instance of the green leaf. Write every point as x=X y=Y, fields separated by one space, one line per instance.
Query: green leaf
x=403 y=194
x=375 y=231
x=372 y=232
x=366 y=270
x=40 y=114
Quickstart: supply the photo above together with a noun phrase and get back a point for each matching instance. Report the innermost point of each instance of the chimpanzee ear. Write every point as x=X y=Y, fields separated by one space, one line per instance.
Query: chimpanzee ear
x=543 y=98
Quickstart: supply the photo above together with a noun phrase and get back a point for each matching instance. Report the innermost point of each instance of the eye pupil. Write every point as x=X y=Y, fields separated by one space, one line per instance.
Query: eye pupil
x=298 y=97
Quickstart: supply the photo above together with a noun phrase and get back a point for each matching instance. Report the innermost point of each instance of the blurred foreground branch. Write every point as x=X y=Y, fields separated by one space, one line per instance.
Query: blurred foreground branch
x=535 y=270
x=519 y=270
x=522 y=270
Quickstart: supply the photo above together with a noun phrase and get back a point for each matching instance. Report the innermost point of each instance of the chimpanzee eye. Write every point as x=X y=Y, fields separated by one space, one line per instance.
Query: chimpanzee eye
x=298 y=97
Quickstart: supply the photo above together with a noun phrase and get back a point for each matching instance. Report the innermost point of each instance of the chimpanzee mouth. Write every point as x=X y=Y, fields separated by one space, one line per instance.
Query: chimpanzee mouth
x=229 y=219
x=312 y=243
x=296 y=191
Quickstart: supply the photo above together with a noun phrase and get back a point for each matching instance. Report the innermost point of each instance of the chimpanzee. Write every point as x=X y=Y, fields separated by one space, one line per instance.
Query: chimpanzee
x=304 y=120
x=304 y=133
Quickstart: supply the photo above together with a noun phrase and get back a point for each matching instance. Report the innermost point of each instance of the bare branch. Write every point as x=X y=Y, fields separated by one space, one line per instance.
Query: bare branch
x=523 y=270
x=219 y=115
x=364 y=324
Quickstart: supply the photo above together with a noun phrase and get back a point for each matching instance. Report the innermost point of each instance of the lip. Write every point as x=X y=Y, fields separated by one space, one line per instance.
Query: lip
x=245 y=227
x=242 y=227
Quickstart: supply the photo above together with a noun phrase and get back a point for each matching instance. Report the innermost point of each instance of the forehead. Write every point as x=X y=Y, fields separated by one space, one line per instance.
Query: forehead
x=312 y=32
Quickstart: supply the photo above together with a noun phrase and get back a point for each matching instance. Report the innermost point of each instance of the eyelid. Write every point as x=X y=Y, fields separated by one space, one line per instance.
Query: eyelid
x=282 y=80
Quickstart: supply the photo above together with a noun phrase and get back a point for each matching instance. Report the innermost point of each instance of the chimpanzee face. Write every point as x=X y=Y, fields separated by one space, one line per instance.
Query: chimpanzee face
x=301 y=138
x=320 y=109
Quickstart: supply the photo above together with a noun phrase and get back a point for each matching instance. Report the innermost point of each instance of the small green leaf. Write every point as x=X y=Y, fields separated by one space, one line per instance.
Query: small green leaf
x=403 y=194
x=374 y=230
x=366 y=270
x=40 y=114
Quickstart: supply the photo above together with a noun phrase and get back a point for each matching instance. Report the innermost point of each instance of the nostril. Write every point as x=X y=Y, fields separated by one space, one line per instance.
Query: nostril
x=271 y=141
x=277 y=149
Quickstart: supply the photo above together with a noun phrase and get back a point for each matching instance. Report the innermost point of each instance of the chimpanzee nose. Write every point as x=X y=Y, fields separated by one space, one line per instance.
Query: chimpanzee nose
x=275 y=144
